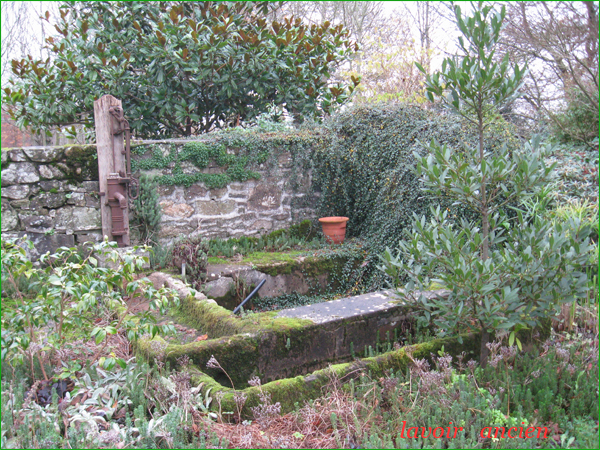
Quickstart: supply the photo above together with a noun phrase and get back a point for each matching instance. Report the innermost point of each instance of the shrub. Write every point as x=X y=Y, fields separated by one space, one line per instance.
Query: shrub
x=553 y=387
x=578 y=122
x=193 y=252
x=365 y=172
x=503 y=273
x=70 y=289
x=146 y=210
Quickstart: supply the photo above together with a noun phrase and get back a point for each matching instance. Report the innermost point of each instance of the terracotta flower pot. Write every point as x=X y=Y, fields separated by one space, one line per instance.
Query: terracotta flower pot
x=334 y=228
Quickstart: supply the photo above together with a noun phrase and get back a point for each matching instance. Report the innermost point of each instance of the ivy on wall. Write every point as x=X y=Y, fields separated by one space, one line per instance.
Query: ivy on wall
x=237 y=153
x=365 y=172
x=200 y=154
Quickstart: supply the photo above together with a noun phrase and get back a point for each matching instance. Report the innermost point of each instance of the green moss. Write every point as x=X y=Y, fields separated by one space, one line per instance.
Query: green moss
x=314 y=267
x=286 y=263
x=267 y=322
x=217 y=321
x=83 y=157
x=210 y=318
x=279 y=268
x=269 y=258
x=216 y=260
x=293 y=391
x=257 y=341
x=237 y=354
x=255 y=258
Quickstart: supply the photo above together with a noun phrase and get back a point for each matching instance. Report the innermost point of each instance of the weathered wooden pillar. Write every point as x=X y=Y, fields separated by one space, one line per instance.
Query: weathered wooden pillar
x=111 y=160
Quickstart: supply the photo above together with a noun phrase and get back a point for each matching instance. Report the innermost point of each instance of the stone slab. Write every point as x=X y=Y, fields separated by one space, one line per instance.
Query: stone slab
x=349 y=307
x=343 y=308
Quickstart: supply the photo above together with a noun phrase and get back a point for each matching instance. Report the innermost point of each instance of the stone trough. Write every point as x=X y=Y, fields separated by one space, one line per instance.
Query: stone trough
x=295 y=352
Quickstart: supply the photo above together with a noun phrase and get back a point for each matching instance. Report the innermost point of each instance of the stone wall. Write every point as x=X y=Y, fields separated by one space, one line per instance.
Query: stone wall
x=51 y=194
x=241 y=208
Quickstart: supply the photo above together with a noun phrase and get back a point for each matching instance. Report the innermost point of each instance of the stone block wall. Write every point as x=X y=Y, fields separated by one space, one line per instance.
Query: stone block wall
x=51 y=194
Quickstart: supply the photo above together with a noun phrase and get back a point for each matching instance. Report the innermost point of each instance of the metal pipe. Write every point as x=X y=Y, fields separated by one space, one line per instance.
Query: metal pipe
x=122 y=200
x=250 y=296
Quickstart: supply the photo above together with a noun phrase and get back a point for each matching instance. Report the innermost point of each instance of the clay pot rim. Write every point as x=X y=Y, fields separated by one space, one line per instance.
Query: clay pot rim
x=333 y=219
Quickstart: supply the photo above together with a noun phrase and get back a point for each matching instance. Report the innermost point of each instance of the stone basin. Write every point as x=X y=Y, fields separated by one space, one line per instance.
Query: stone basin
x=302 y=275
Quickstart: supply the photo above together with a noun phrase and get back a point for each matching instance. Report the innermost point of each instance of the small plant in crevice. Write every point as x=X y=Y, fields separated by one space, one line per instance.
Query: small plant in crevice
x=214 y=364
x=239 y=397
x=193 y=252
x=241 y=288
x=266 y=411
x=161 y=256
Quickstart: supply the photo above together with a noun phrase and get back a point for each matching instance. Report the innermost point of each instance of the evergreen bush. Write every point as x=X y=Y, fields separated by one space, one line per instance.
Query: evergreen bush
x=503 y=273
x=365 y=171
x=146 y=210
x=578 y=122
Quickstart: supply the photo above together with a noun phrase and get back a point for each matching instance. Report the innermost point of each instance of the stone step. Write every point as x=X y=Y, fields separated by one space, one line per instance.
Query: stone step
x=349 y=307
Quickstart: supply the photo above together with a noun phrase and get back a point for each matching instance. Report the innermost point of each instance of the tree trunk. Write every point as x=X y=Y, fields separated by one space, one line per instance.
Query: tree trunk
x=484 y=352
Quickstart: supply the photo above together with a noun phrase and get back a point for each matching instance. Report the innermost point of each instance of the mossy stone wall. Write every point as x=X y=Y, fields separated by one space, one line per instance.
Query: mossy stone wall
x=250 y=186
x=51 y=194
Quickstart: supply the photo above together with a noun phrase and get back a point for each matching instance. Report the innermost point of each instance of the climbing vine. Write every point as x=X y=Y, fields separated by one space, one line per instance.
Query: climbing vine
x=364 y=171
x=199 y=154
x=237 y=154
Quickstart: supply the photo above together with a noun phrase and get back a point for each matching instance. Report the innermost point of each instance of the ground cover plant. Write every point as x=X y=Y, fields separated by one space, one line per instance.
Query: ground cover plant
x=68 y=298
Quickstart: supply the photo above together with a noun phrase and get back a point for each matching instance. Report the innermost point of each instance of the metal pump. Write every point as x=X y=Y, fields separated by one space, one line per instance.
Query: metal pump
x=117 y=200
x=119 y=185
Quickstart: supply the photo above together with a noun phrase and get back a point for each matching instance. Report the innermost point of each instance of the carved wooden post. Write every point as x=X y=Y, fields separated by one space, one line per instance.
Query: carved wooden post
x=111 y=159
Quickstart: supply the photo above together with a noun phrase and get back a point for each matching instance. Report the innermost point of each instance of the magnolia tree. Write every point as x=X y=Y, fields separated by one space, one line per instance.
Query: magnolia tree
x=504 y=272
x=180 y=68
